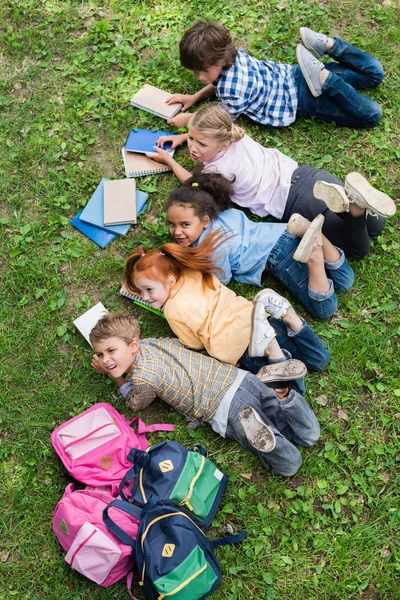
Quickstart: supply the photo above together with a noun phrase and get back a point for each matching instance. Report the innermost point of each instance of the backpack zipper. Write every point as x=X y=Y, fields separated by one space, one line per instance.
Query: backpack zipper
x=185 y=501
x=141 y=582
x=183 y=584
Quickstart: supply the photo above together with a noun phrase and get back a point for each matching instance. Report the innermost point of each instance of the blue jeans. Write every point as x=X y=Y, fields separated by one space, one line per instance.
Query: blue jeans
x=304 y=345
x=291 y=420
x=340 y=101
x=294 y=275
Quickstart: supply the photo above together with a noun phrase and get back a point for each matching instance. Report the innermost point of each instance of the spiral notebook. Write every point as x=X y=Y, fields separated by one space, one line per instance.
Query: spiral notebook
x=138 y=165
x=153 y=99
x=138 y=300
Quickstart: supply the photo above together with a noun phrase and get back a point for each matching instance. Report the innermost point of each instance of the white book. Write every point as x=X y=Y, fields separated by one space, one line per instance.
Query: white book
x=153 y=99
x=88 y=320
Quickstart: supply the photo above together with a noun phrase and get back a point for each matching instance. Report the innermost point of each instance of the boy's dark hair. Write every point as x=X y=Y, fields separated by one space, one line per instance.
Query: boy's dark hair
x=205 y=45
x=207 y=194
x=117 y=325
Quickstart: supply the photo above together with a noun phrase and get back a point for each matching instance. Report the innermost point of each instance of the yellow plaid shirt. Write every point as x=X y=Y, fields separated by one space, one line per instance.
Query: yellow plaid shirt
x=192 y=383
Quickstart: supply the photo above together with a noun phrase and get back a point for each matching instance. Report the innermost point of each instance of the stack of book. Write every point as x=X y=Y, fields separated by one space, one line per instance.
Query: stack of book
x=113 y=208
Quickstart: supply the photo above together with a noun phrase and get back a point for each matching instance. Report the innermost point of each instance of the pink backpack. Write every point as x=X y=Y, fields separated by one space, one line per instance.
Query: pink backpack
x=91 y=548
x=94 y=445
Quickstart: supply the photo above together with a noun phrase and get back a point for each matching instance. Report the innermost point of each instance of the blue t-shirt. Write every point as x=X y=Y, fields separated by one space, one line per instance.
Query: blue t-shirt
x=244 y=254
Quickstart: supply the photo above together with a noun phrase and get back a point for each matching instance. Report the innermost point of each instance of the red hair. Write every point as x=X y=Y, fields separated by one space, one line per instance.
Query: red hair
x=172 y=259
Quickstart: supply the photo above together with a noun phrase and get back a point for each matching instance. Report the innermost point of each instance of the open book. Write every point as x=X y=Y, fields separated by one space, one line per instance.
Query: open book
x=153 y=100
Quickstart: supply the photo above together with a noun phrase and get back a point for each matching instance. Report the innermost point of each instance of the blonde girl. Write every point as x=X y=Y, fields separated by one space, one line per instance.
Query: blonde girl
x=270 y=183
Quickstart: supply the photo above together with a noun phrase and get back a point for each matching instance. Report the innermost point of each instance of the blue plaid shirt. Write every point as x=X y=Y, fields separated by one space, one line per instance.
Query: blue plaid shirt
x=262 y=90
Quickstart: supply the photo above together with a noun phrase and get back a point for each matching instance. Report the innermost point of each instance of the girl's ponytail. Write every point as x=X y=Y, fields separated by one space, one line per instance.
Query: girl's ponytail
x=173 y=259
x=216 y=123
x=237 y=133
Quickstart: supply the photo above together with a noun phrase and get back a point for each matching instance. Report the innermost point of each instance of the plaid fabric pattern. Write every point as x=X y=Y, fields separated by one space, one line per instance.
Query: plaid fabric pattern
x=262 y=90
x=190 y=382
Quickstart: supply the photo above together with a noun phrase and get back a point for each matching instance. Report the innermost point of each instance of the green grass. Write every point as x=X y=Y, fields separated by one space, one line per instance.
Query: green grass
x=67 y=71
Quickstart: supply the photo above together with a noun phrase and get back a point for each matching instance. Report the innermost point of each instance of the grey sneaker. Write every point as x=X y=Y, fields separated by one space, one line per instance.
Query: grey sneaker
x=361 y=192
x=311 y=238
x=262 y=332
x=313 y=41
x=258 y=434
x=297 y=225
x=274 y=304
x=286 y=370
x=333 y=195
x=310 y=67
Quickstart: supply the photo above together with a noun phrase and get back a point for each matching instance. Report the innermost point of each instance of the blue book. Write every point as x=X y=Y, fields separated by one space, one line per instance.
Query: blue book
x=144 y=140
x=93 y=213
x=101 y=237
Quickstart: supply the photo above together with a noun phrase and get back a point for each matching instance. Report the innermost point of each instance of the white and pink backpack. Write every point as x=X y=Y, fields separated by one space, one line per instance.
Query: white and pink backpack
x=94 y=445
x=91 y=548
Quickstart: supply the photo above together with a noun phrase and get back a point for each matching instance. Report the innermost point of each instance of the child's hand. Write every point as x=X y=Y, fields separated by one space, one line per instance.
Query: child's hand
x=96 y=365
x=180 y=120
x=176 y=140
x=160 y=156
x=186 y=99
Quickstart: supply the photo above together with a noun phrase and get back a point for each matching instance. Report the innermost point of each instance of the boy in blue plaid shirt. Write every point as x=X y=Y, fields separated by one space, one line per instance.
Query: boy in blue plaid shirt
x=275 y=94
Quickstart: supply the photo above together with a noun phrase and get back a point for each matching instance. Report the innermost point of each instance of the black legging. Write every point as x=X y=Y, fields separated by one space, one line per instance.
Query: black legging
x=351 y=234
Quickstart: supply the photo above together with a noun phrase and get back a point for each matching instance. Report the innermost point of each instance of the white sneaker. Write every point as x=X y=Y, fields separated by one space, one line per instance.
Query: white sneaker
x=258 y=434
x=274 y=304
x=364 y=195
x=333 y=195
x=262 y=332
x=311 y=238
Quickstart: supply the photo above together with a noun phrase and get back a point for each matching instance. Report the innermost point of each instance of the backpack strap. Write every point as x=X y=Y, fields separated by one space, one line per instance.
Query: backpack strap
x=139 y=458
x=142 y=428
x=129 y=579
x=231 y=539
x=130 y=509
x=198 y=448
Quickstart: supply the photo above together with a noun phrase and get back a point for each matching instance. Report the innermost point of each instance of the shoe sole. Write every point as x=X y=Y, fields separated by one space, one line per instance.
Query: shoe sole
x=304 y=250
x=305 y=74
x=282 y=371
x=258 y=434
x=303 y=34
x=331 y=196
x=360 y=190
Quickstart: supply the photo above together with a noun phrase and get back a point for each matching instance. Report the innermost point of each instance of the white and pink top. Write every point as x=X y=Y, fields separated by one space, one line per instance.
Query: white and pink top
x=263 y=176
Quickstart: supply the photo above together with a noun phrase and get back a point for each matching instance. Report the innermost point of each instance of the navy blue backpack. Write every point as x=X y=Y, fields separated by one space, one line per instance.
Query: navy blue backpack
x=173 y=555
x=187 y=478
